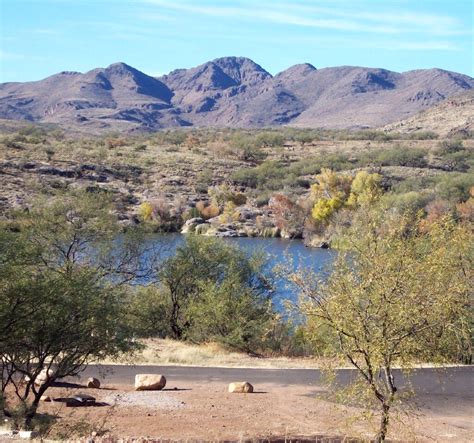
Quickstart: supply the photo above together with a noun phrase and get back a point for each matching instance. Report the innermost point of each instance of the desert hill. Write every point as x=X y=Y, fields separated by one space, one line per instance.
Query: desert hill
x=229 y=91
x=453 y=117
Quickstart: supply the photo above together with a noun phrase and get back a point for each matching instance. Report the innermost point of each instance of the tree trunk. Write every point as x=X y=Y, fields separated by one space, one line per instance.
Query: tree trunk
x=383 y=424
x=33 y=408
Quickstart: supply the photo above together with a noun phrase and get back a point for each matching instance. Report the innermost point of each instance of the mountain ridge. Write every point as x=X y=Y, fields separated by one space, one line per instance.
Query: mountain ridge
x=229 y=91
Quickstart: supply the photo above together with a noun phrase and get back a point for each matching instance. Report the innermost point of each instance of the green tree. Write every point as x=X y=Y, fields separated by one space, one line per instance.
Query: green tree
x=399 y=296
x=212 y=291
x=63 y=275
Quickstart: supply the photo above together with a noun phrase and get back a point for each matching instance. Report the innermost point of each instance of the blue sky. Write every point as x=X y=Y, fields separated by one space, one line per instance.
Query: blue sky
x=42 y=37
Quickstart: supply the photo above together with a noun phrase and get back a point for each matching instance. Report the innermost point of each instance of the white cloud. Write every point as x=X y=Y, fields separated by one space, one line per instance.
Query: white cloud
x=336 y=17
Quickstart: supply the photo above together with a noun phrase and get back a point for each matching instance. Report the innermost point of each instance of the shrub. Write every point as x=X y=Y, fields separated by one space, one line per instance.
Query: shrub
x=203 y=181
x=247 y=149
x=246 y=177
x=450 y=147
x=455 y=187
x=147 y=311
x=207 y=211
x=423 y=135
x=145 y=211
x=365 y=189
x=402 y=156
x=222 y=194
x=269 y=139
x=214 y=291
x=409 y=202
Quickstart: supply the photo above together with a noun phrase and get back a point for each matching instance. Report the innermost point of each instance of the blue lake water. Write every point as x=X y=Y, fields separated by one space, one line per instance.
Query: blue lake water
x=290 y=254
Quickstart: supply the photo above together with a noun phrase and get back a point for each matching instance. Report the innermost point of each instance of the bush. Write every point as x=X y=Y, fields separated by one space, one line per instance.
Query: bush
x=410 y=202
x=423 y=135
x=455 y=187
x=210 y=290
x=269 y=139
x=450 y=147
x=207 y=211
x=203 y=181
x=402 y=156
x=147 y=311
x=246 y=148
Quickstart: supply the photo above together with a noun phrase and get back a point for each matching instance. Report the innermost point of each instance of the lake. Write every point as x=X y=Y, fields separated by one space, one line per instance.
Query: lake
x=289 y=253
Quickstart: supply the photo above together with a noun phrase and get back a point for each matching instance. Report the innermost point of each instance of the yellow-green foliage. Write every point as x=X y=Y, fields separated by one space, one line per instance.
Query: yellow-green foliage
x=365 y=189
x=330 y=184
x=325 y=207
x=334 y=191
x=330 y=193
x=145 y=211
x=229 y=214
x=399 y=296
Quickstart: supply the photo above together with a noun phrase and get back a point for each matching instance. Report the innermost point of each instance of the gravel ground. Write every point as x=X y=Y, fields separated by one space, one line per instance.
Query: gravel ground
x=144 y=399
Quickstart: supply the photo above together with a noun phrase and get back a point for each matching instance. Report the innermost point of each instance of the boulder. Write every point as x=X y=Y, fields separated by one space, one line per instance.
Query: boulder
x=46 y=398
x=93 y=382
x=241 y=387
x=248 y=213
x=149 y=382
x=202 y=228
x=227 y=234
x=191 y=224
x=43 y=377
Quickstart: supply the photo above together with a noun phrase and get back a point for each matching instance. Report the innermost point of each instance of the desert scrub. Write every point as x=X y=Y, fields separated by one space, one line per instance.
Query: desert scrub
x=208 y=291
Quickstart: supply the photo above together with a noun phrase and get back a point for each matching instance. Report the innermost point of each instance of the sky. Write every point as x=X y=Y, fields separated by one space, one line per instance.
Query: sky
x=39 y=38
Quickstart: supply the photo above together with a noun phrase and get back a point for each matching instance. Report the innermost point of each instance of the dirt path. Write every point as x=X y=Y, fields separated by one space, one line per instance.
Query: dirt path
x=202 y=409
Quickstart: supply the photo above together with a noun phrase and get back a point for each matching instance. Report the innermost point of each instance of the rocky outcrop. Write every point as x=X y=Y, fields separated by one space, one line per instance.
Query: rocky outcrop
x=191 y=224
x=247 y=223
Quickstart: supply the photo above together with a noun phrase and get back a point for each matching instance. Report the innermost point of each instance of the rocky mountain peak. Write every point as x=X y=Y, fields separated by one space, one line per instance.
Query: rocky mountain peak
x=229 y=91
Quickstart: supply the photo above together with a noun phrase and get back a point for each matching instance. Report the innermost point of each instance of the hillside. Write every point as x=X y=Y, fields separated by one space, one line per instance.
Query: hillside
x=453 y=117
x=230 y=91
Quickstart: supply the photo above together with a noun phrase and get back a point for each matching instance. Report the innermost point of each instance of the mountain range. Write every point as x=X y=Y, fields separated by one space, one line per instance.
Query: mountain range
x=230 y=92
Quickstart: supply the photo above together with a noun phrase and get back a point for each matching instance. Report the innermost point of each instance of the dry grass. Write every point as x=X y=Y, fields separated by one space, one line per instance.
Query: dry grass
x=171 y=352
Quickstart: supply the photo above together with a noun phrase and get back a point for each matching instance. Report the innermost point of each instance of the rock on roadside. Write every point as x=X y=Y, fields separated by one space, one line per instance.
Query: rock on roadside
x=93 y=382
x=240 y=387
x=149 y=382
x=42 y=377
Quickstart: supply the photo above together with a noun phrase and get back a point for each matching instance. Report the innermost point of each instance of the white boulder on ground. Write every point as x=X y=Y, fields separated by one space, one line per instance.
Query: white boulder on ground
x=241 y=387
x=42 y=377
x=93 y=382
x=149 y=382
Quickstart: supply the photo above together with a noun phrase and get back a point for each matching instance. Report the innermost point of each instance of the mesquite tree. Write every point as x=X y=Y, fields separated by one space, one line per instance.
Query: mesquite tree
x=398 y=297
x=64 y=267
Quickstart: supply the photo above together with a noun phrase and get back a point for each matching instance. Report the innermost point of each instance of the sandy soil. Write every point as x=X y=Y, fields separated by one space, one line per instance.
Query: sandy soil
x=205 y=411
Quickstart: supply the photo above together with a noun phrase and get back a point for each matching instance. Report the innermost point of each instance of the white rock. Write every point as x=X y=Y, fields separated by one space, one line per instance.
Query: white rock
x=149 y=382
x=241 y=387
x=27 y=434
x=42 y=377
x=190 y=225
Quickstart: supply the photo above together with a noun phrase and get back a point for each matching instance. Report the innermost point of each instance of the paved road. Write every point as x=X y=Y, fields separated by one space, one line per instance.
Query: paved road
x=453 y=382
